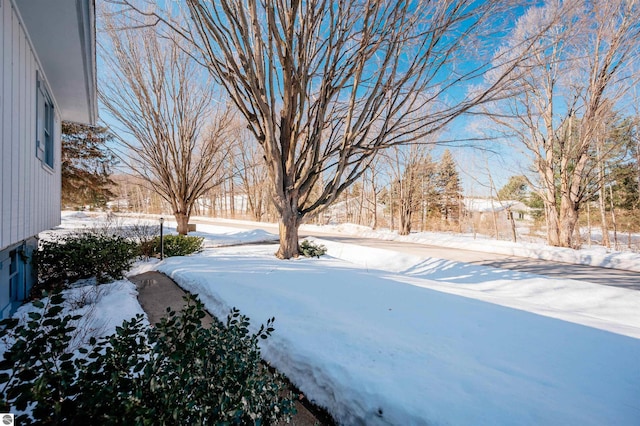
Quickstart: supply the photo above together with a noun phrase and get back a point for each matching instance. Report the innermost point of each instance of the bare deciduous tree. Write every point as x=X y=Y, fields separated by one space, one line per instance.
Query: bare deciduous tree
x=412 y=188
x=324 y=85
x=252 y=172
x=373 y=187
x=635 y=143
x=565 y=93
x=162 y=102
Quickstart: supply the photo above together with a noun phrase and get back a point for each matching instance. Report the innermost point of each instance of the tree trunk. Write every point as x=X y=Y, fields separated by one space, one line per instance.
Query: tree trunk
x=393 y=214
x=514 y=234
x=553 y=224
x=405 y=221
x=374 y=224
x=405 y=213
x=182 y=220
x=589 y=223
x=289 y=248
x=569 y=220
x=613 y=219
x=495 y=220
x=603 y=214
x=460 y=216
x=232 y=200
x=603 y=221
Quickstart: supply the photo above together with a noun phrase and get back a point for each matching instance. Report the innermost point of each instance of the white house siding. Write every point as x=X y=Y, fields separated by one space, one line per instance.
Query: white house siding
x=30 y=191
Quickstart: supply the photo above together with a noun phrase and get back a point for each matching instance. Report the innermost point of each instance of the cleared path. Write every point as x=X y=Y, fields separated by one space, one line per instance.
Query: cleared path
x=597 y=275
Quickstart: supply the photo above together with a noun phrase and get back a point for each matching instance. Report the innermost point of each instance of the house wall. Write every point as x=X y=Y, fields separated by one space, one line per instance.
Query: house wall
x=29 y=189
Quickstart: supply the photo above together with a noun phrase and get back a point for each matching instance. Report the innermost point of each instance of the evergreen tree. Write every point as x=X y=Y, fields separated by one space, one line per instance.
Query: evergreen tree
x=448 y=187
x=86 y=165
x=625 y=171
x=516 y=189
x=625 y=187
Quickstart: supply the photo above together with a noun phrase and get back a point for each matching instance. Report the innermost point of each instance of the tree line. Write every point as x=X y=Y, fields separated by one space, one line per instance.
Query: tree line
x=409 y=188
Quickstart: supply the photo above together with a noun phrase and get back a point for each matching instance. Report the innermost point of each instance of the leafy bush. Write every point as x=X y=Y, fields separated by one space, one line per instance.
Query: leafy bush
x=179 y=245
x=309 y=249
x=178 y=372
x=74 y=257
x=41 y=370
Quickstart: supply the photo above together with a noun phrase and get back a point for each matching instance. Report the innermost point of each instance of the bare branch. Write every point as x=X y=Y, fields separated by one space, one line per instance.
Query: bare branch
x=162 y=102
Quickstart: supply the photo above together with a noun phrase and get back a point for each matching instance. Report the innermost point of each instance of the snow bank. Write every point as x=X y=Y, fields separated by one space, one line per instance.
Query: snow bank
x=596 y=256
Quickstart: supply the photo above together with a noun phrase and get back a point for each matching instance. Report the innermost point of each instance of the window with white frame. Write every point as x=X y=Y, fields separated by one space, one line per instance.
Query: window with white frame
x=44 y=122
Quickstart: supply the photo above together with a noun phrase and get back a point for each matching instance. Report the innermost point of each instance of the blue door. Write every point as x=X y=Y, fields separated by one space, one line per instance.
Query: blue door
x=15 y=275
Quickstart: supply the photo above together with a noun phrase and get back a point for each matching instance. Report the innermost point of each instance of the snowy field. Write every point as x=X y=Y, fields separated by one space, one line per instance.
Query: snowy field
x=379 y=337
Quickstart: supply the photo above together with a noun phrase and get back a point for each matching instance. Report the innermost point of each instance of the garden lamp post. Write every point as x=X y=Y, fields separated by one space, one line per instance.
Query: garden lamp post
x=161 y=239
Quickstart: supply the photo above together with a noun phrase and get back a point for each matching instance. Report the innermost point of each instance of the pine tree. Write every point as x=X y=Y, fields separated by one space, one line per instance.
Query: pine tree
x=448 y=187
x=86 y=165
x=516 y=189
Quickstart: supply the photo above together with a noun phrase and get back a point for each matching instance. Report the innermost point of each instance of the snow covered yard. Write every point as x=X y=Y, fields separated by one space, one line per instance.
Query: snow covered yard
x=384 y=348
x=380 y=337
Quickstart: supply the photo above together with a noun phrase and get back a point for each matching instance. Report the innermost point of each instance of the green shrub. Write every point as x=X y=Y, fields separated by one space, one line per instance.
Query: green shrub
x=40 y=368
x=309 y=249
x=177 y=372
x=74 y=257
x=179 y=245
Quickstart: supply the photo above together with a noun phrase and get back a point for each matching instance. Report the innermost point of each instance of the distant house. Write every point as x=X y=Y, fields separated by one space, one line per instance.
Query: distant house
x=484 y=207
x=47 y=74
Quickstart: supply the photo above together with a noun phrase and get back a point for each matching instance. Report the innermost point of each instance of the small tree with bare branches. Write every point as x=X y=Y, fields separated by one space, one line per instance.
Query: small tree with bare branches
x=412 y=173
x=252 y=173
x=162 y=102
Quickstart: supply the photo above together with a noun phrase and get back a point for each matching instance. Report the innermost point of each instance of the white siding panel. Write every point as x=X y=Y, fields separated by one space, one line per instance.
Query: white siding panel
x=30 y=196
x=15 y=127
x=21 y=123
x=29 y=191
x=3 y=160
x=5 y=173
x=2 y=66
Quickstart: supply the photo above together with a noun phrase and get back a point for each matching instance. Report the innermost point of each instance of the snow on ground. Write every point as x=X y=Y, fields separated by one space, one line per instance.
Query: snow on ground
x=379 y=348
x=214 y=236
x=381 y=338
x=595 y=256
x=608 y=308
x=102 y=307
